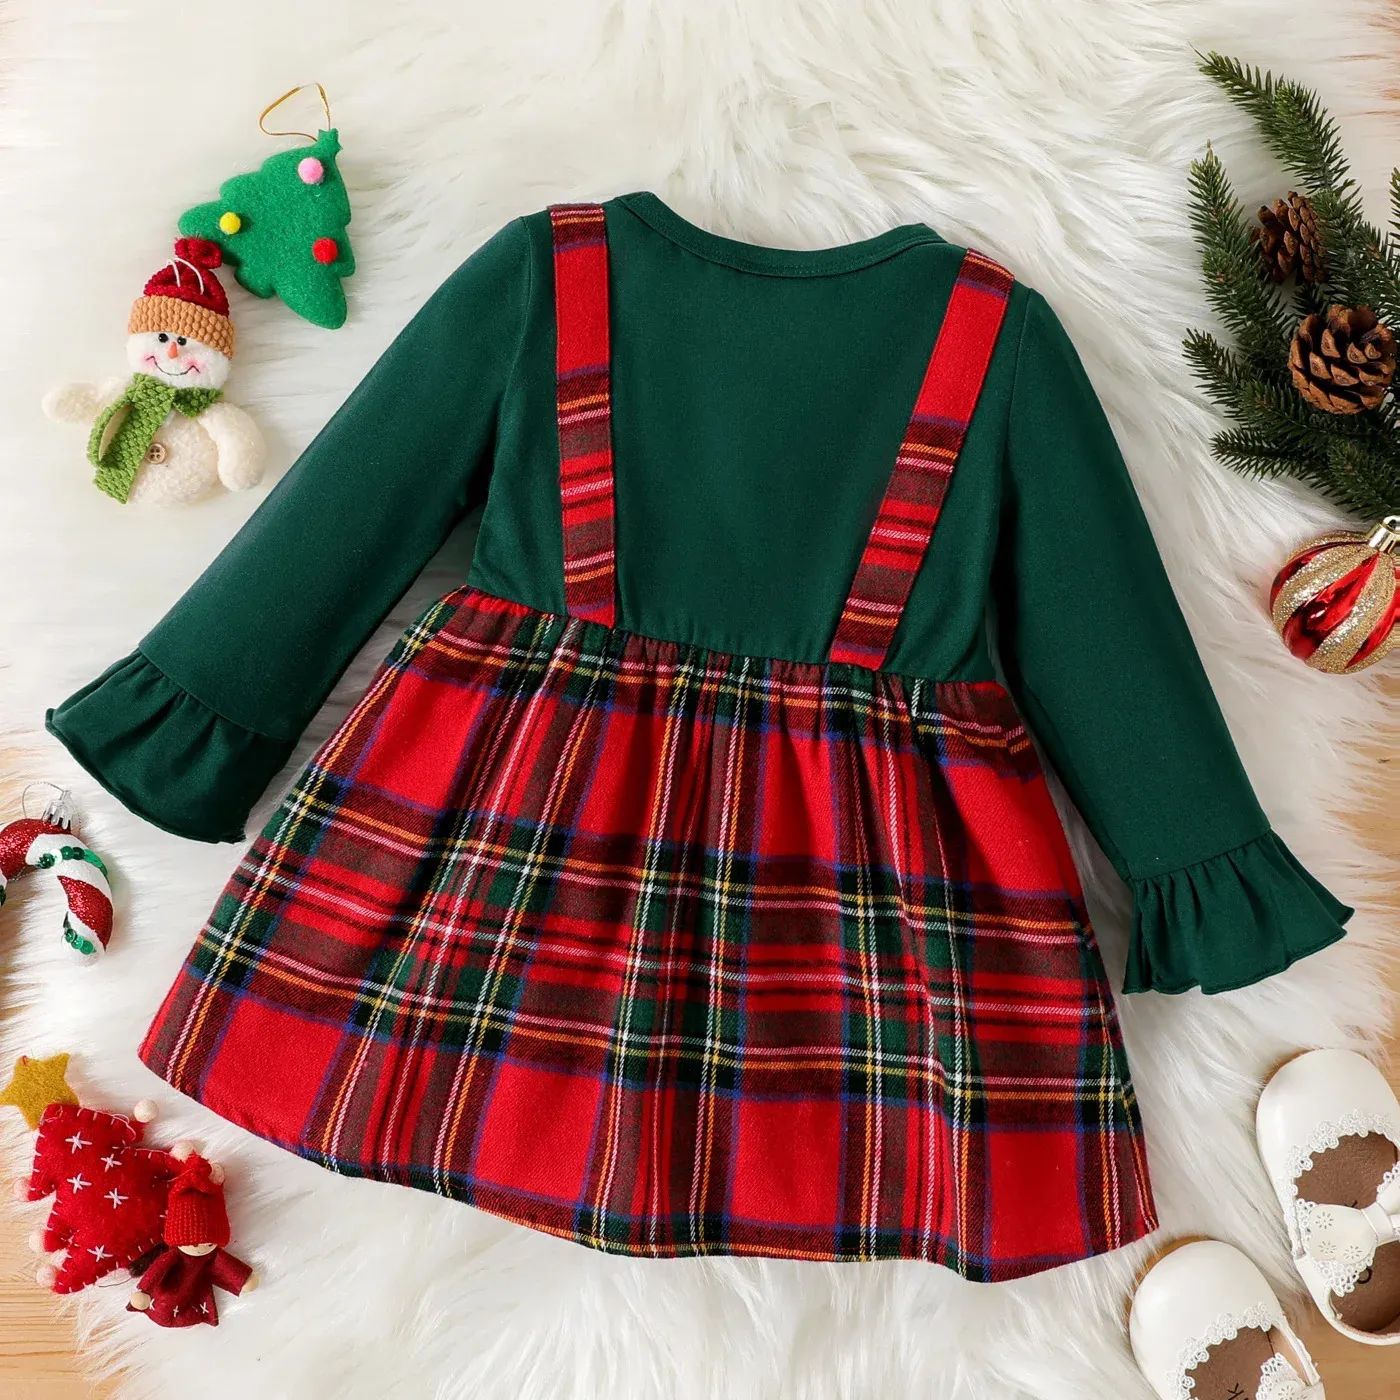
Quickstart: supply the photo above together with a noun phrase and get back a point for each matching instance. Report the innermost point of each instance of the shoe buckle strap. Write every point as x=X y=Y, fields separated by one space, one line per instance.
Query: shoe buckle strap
x=1346 y=1235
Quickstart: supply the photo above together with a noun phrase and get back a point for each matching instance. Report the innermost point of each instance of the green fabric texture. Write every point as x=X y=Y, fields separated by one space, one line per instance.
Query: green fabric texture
x=195 y=774
x=281 y=216
x=1094 y=647
x=759 y=398
x=1228 y=921
x=148 y=403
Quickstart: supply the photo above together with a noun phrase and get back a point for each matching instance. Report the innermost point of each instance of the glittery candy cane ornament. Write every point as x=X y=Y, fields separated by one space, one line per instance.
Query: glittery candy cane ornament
x=49 y=844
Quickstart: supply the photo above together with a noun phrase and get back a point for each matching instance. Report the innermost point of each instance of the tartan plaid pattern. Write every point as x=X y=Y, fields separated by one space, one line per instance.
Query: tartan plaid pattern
x=934 y=438
x=584 y=408
x=673 y=952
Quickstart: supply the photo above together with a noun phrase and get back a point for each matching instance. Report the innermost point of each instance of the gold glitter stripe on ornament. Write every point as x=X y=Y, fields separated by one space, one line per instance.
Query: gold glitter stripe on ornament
x=1339 y=647
x=1382 y=651
x=1320 y=573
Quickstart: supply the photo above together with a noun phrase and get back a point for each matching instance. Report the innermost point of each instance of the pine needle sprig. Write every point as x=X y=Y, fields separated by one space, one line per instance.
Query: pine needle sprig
x=1236 y=284
x=1222 y=373
x=1308 y=298
x=1392 y=241
x=1369 y=474
x=1293 y=123
x=1254 y=453
x=1354 y=459
x=1308 y=144
x=1258 y=455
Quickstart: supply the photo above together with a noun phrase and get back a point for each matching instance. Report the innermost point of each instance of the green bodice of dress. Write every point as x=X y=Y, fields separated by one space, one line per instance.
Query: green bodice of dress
x=759 y=397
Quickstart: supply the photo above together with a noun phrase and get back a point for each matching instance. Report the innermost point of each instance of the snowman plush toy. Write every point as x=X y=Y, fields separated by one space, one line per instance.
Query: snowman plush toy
x=167 y=436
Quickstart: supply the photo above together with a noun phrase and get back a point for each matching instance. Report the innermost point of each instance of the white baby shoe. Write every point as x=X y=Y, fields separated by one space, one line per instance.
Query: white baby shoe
x=1329 y=1134
x=1205 y=1325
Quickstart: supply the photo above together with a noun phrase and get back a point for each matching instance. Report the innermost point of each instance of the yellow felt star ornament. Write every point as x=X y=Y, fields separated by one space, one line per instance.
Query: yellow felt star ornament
x=36 y=1084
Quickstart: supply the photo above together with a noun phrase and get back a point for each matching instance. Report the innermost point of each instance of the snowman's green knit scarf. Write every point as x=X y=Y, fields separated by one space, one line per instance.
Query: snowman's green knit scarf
x=150 y=402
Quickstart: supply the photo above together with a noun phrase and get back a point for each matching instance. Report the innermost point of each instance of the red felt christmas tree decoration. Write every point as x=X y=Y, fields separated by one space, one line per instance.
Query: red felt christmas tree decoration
x=109 y=1193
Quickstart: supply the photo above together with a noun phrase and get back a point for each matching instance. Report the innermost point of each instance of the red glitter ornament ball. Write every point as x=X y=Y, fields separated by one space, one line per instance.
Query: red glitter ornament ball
x=325 y=250
x=1336 y=602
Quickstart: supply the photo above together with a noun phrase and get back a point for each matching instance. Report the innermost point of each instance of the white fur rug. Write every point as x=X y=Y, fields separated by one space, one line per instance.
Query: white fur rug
x=1054 y=134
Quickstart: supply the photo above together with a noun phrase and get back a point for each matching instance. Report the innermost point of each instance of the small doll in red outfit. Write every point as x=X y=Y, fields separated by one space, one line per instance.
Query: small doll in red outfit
x=177 y=1287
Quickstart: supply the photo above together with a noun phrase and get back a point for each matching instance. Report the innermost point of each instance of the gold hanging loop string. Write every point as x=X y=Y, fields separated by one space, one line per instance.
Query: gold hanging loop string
x=292 y=92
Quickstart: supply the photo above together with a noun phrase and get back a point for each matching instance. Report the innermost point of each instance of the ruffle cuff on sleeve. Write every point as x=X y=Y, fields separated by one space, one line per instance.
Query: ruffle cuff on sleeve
x=166 y=755
x=1228 y=921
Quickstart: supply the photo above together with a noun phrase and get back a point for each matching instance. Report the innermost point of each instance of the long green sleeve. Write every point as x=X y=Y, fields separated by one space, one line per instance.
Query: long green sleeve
x=1102 y=665
x=192 y=727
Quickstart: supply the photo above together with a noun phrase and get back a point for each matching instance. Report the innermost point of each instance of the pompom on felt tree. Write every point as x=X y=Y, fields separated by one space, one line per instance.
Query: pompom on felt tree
x=282 y=229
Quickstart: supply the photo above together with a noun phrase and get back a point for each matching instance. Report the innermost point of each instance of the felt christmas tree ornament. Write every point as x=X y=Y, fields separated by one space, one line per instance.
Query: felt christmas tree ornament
x=48 y=843
x=167 y=436
x=282 y=227
x=109 y=1193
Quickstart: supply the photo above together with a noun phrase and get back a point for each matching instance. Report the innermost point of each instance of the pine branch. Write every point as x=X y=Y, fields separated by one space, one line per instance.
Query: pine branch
x=1388 y=415
x=1348 y=473
x=1392 y=239
x=1308 y=298
x=1236 y=284
x=1362 y=479
x=1293 y=122
x=1361 y=268
x=1253 y=453
x=1221 y=372
x=1353 y=459
x=1266 y=408
x=1271 y=409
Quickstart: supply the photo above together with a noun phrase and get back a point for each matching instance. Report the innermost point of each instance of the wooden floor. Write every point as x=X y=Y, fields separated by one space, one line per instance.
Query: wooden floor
x=37 y=1360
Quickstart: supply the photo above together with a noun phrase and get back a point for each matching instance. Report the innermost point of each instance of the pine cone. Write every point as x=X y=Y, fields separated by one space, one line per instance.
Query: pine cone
x=1342 y=362
x=1288 y=239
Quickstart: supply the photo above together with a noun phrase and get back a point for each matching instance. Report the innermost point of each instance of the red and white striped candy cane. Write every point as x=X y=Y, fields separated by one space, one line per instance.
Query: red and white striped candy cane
x=50 y=845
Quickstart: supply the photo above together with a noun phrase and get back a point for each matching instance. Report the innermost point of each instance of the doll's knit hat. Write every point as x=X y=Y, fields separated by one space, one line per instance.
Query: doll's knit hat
x=186 y=298
x=195 y=1213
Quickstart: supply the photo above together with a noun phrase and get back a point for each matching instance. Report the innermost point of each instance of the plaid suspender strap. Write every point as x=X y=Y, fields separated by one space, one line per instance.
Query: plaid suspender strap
x=922 y=470
x=584 y=400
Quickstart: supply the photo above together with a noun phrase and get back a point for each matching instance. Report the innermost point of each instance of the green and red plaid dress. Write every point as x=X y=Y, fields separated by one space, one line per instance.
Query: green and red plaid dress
x=669 y=951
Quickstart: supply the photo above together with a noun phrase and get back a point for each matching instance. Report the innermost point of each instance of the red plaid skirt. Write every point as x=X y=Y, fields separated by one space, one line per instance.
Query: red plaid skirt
x=672 y=952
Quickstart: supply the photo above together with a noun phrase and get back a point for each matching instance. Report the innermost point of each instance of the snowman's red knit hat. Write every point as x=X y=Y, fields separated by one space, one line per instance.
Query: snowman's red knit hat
x=186 y=298
x=195 y=1213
